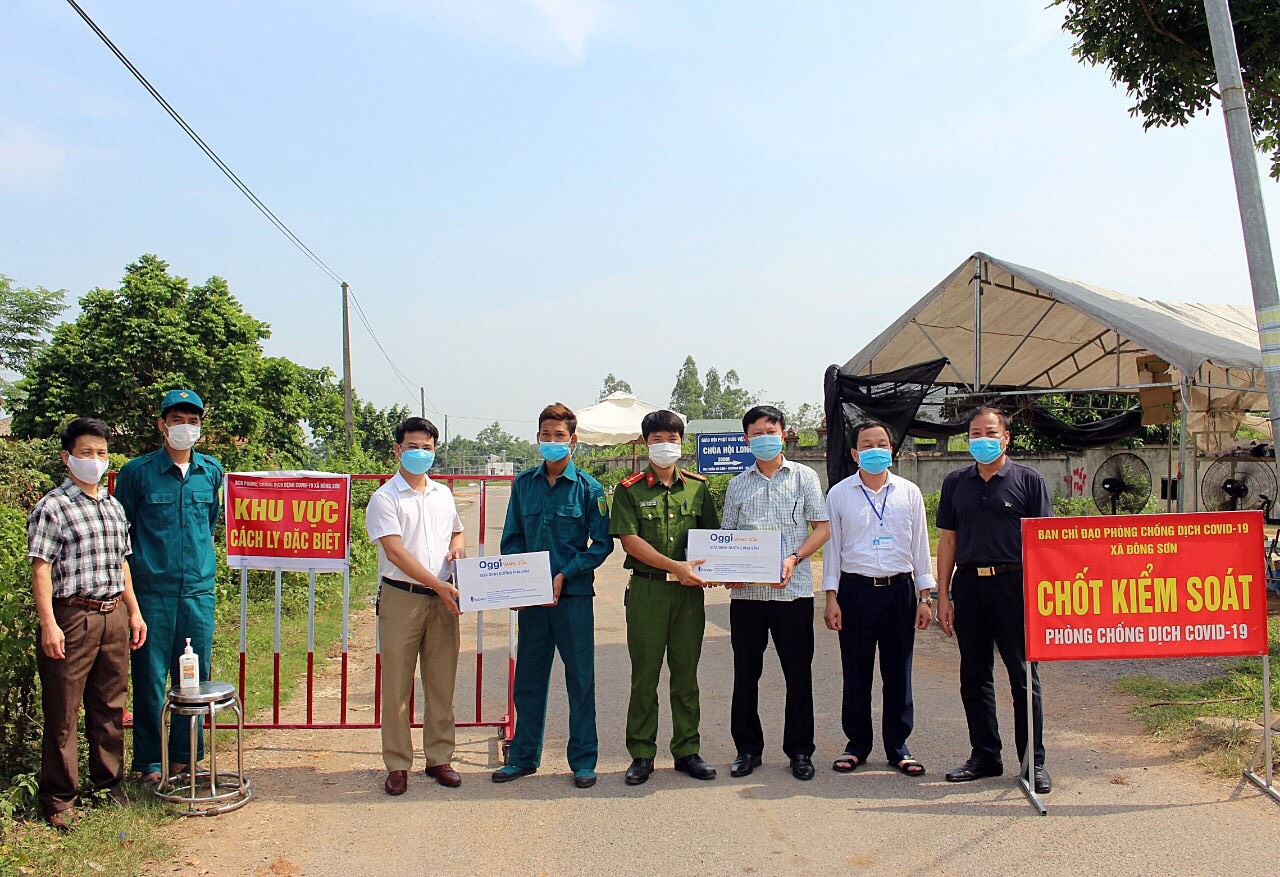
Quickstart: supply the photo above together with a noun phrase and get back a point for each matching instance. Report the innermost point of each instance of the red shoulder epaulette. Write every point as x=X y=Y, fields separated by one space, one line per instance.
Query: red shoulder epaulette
x=631 y=479
x=694 y=475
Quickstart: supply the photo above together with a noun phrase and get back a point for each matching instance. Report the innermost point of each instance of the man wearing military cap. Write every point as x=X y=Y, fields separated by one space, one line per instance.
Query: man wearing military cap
x=653 y=512
x=171 y=499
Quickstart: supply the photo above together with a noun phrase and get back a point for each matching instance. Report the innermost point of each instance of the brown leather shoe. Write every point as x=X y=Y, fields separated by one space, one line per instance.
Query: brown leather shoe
x=445 y=775
x=397 y=782
x=63 y=820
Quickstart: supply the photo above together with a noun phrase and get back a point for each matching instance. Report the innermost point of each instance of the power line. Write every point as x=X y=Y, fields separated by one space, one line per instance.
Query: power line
x=243 y=187
x=205 y=148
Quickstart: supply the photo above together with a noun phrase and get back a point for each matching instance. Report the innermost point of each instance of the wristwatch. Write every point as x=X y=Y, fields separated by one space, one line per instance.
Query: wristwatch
x=925 y=598
x=796 y=555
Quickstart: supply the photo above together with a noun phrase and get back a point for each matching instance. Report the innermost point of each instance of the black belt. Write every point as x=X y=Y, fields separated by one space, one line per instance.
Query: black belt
x=104 y=606
x=986 y=570
x=411 y=587
x=880 y=581
x=652 y=576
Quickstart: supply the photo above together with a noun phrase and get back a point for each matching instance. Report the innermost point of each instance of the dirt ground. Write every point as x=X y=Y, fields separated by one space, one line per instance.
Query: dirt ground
x=1121 y=803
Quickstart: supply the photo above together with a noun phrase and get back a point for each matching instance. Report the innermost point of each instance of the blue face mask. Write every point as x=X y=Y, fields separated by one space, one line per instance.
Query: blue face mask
x=985 y=450
x=873 y=461
x=766 y=447
x=417 y=460
x=553 y=452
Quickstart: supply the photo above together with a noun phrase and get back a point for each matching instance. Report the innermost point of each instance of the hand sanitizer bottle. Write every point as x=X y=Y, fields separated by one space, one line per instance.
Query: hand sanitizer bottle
x=188 y=669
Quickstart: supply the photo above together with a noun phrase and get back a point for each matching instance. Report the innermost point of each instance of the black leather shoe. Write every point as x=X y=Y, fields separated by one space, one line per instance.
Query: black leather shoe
x=802 y=767
x=1044 y=782
x=639 y=771
x=973 y=769
x=744 y=764
x=695 y=767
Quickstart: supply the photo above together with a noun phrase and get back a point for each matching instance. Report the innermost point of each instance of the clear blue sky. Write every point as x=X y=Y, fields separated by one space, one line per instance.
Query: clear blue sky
x=528 y=194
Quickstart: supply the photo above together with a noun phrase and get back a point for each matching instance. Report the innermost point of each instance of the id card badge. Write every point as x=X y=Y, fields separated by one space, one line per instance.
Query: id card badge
x=882 y=542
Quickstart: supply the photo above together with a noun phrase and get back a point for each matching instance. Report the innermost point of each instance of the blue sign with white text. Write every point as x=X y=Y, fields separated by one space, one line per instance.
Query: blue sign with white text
x=723 y=453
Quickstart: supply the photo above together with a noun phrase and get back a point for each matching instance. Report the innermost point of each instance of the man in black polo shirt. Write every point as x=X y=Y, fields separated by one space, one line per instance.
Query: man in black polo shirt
x=980 y=517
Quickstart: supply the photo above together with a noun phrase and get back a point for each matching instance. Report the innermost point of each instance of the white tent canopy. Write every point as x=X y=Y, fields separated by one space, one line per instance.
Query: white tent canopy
x=1003 y=326
x=613 y=421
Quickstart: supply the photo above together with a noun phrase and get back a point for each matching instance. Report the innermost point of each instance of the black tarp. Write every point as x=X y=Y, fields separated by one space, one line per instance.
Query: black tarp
x=892 y=397
x=895 y=398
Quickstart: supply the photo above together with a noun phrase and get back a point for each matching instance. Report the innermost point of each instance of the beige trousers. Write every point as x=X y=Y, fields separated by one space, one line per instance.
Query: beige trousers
x=417 y=628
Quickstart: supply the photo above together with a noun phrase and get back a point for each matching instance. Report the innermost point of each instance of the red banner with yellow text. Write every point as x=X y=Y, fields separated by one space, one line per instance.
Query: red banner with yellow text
x=288 y=520
x=1144 y=586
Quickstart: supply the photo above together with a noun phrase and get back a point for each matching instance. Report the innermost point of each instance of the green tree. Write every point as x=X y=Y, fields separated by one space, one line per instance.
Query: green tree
x=613 y=385
x=155 y=332
x=712 y=395
x=686 y=395
x=1160 y=53
x=734 y=400
x=469 y=454
x=26 y=317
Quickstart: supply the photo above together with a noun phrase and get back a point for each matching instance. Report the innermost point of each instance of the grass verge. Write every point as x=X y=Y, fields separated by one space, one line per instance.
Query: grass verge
x=1236 y=694
x=107 y=840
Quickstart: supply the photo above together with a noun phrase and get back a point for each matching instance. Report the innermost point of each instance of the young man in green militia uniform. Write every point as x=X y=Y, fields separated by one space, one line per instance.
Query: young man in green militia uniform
x=653 y=512
x=171 y=499
x=557 y=508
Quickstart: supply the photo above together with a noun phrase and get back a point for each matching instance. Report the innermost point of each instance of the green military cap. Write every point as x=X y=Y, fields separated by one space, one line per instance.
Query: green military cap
x=180 y=397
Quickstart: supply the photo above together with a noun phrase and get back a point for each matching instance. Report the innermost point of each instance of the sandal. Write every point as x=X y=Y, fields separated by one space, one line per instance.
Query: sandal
x=909 y=766
x=846 y=763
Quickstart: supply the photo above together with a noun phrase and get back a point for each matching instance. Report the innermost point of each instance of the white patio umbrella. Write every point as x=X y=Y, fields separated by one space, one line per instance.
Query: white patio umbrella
x=615 y=420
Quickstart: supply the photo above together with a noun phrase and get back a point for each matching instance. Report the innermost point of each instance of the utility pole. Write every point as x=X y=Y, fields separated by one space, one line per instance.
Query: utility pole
x=422 y=401
x=348 y=414
x=446 y=443
x=1253 y=216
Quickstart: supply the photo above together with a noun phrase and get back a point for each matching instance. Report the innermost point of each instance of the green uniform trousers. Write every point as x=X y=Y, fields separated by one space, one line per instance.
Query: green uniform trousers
x=170 y=620
x=569 y=627
x=663 y=619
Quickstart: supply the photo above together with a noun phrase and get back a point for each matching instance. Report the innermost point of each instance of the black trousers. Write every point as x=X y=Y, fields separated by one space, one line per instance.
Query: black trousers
x=989 y=617
x=751 y=622
x=885 y=618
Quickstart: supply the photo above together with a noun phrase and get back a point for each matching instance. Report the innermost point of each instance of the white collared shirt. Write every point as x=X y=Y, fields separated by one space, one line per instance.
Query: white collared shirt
x=425 y=523
x=862 y=518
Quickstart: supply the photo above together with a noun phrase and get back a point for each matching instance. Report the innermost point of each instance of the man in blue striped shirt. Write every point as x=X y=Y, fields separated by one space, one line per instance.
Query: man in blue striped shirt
x=774 y=494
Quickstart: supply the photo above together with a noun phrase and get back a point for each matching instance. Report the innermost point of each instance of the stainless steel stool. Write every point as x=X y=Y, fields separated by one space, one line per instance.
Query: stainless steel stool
x=203 y=792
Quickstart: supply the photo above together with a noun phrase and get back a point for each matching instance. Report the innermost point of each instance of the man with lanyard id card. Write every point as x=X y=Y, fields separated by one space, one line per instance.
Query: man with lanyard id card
x=878 y=582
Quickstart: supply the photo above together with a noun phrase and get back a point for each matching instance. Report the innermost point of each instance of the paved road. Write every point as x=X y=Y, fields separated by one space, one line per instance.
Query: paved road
x=1121 y=805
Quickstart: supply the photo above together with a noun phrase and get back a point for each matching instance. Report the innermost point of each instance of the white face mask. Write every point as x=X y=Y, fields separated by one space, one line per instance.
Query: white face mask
x=87 y=469
x=183 y=436
x=664 y=453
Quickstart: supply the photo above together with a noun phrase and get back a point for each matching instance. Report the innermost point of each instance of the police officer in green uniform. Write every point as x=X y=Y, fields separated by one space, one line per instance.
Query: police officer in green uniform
x=557 y=508
x=171 y=499
x=653 y=512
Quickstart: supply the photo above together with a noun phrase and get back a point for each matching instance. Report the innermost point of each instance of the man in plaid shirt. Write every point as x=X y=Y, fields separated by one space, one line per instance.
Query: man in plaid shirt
x=78 y=538
x=774 y=494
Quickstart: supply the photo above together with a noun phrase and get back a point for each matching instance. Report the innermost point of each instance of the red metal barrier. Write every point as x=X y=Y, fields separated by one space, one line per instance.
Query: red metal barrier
x=505 y=724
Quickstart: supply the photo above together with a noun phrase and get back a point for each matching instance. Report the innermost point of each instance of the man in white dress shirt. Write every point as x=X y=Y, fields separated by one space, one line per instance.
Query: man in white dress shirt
x=416 y=526
x=878 y=581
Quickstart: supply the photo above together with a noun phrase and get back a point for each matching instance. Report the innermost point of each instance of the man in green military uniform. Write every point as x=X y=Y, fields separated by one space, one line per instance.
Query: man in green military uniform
x=171 y=499
x=653 y=512
x=557 y=508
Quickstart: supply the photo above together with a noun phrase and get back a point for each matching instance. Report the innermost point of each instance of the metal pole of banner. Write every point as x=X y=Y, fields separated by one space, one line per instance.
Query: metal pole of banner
x=311 y=639
x=1183 y=431
x=480 y=615
x=244 y=625
x=1265 y=753
x=275 y=674
x=1028 y=779
x=346 y=613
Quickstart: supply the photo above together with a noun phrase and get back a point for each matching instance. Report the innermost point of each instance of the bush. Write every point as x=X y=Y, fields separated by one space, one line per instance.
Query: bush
x=28 y=470
x=20 y=704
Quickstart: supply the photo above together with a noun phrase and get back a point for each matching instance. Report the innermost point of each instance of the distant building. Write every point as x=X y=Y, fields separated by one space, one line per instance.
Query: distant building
x=723 y=424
